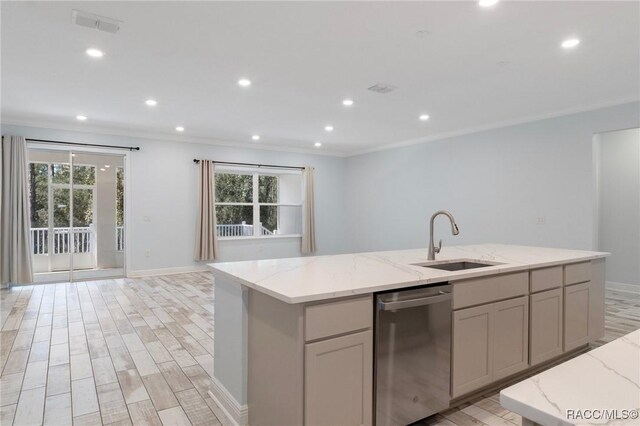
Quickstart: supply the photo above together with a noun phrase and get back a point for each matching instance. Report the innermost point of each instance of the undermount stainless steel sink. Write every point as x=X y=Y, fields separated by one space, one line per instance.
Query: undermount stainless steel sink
x=457 y=265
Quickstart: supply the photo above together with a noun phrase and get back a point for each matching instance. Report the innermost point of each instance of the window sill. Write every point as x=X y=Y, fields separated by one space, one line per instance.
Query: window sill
x=262 y=237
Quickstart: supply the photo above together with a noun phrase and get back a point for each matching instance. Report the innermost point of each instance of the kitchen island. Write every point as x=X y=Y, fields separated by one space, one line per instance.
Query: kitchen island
x=294 y=337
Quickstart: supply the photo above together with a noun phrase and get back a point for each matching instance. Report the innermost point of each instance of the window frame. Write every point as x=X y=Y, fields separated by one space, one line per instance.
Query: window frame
x=256 y=204
x=120 y=235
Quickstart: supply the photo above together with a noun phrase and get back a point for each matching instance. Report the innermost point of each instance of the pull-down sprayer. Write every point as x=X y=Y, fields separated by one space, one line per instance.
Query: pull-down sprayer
x=454 y=230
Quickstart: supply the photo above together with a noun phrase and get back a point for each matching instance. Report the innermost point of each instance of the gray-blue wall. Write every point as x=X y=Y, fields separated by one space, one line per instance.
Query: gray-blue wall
x=498 y=184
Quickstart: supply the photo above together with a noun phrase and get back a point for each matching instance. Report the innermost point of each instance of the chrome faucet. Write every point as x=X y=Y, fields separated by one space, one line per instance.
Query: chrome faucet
x=454 y=230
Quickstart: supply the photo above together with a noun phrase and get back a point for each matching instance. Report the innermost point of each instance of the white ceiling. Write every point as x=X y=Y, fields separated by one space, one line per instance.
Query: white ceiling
x=304 y=58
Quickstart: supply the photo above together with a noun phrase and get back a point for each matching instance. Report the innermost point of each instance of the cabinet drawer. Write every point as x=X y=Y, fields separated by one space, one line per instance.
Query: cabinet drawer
x=484 y=290
x=343 y=316
x=577 y=273
x=546 y=279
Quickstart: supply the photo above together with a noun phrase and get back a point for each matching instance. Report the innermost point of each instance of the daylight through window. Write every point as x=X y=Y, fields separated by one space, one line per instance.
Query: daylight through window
x=258 y=204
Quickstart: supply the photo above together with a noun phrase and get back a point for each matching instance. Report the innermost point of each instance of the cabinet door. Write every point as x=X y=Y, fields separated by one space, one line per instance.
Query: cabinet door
x=510 y=337
x=338 y=381
x=546 y=325
x=576 y=315
x=472 y=354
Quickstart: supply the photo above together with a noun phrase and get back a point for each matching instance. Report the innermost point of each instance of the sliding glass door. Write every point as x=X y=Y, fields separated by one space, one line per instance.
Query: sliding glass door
x=77 y=215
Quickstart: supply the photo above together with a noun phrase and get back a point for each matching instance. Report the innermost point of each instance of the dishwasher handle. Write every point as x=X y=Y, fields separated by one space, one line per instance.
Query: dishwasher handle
x=442 y=296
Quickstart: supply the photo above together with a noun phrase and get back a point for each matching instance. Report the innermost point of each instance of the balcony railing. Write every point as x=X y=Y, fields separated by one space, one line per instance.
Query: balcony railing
x=84 y=237
x=240 y=230
x=82 y=240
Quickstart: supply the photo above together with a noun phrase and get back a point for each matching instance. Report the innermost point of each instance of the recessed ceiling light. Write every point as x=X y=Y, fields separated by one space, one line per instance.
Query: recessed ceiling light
x=107 y=166
x=81 y=117
x=317 y=144
x=328 y=128
x=347 y=102
x=487 y=3
x=151 y=102
x=95 y=53
x=255 y=137
x=424 y=117
x=103 y=169
x=180 y=129
x=569 y=43
x=244 y=82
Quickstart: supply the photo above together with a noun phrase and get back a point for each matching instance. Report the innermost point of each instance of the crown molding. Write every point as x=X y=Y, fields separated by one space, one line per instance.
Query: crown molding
x=502 y=124
x=141 y=134
x=113 y=131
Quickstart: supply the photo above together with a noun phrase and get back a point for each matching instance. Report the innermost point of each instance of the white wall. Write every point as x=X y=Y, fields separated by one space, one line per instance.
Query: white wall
x=497 y=184
x=619 y=203
x=163 y=187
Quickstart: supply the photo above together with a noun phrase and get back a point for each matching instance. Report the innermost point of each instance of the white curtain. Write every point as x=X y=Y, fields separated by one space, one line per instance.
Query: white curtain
x=206 y=238
x=308 y=220
x=15 y=248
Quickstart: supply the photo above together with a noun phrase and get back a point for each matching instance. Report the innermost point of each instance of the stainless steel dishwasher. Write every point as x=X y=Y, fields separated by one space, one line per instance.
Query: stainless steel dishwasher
x=412 y=354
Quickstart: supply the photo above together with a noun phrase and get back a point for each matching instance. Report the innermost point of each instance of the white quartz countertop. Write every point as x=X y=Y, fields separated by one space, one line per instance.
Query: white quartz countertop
x=606 y=378
x=305 y=279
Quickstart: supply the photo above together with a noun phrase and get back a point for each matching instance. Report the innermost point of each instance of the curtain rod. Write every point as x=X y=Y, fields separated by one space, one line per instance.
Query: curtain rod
x=130 y=148
x=271 y=166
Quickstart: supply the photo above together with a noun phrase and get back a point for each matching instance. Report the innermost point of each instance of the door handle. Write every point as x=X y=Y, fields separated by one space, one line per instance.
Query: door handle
x=442 y=296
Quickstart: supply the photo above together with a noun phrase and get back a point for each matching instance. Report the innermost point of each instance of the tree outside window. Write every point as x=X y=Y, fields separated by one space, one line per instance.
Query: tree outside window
x=250 y=204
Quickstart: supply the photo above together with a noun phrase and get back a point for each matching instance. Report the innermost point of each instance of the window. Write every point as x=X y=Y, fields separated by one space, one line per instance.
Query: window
x=258 y=204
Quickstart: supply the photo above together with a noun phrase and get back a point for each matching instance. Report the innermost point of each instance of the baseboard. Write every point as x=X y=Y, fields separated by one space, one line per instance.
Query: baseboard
x=626 y=288
x=79 y=275
x=238 y=414
x=166 y=271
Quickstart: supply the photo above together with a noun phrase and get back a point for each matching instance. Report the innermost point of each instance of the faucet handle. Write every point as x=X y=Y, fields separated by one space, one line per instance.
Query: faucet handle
x=437 y=249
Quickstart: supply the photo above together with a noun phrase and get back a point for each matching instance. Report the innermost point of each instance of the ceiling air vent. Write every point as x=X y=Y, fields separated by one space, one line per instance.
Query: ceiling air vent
x=382 y=88
x=90 y=20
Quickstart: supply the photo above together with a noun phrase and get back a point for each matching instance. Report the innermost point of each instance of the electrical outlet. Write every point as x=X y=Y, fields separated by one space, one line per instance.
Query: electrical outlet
x=147 y=253
x=147 y=218
x=541 y=220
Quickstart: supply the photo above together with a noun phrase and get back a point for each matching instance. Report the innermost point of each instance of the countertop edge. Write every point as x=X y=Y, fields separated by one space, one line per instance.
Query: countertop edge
x=519 y=397
x=527 y=411
x=453 y=277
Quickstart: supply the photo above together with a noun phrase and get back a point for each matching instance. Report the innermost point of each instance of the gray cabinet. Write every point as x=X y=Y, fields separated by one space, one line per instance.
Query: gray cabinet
x=319 y=355
x=310 y=364
x=546 y=325
x=472 y=349
x=577 y=301
x=510 y=337
x=338 y=385
x=489 y=342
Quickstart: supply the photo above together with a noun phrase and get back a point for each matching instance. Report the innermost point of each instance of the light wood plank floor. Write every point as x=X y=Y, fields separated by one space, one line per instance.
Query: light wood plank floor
x=110 y=352
x=140 y=351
